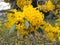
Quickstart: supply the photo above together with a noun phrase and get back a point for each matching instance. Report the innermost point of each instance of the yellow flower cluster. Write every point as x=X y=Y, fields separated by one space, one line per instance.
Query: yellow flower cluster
x=13 y=18
x=51 y=36
x=50 y=5
x=47 y=6
x=43 y=8
x=51 y=32
x=57 y=22
x=22 y=3
x=33 y=16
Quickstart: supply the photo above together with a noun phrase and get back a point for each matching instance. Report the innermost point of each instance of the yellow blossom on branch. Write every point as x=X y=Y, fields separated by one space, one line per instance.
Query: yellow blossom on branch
x=22 y=3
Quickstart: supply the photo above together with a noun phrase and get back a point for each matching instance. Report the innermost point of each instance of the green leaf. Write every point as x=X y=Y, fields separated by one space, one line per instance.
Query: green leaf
x=40 y=30
x=27 y=24
x=8 y=11
x=51 y=21
x=12 y=29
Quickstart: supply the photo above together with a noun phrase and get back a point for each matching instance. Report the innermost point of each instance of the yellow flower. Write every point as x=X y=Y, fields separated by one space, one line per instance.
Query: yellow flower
x=50 y=5
x=22 y=3
x=59 y=38
x=57 y=22
x=33 y=16
x=51 y=36
x=43 y=8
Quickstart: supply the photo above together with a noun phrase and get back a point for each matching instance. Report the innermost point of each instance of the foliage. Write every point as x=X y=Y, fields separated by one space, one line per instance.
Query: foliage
x=32 y=19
